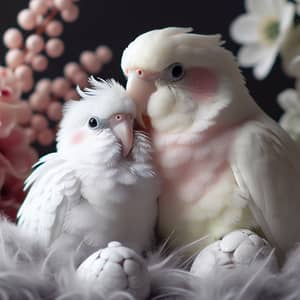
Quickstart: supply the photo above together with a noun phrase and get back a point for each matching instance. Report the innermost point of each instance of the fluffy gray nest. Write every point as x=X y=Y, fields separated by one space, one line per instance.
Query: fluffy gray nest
x=27 y=271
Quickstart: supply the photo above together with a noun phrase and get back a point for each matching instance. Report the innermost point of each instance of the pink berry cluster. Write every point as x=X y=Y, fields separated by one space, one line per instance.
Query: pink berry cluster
x=30 y=53
x=34 y=120
x=42 y=39
x=26 y=55
x=48 y=97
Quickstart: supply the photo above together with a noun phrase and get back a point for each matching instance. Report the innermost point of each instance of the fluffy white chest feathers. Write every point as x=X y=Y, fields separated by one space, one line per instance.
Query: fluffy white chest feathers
x=113 y=203
x=199 y=194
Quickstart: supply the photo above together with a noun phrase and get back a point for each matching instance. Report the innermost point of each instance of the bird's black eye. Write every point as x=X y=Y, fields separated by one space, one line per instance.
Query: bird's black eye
x=94 y=123
x=176 y=72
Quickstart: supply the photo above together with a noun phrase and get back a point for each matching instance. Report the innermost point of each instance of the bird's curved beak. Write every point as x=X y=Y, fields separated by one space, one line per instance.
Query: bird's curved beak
x=122 y=127
x=140 y=86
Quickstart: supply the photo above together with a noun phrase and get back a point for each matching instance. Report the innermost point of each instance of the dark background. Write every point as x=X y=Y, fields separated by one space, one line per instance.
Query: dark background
x=116 y=23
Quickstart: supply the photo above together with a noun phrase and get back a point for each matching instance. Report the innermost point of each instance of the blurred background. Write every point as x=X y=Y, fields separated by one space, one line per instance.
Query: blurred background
x=116 y=23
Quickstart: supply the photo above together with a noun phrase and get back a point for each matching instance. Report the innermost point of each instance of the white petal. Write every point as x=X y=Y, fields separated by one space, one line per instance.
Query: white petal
x=287 y=17
x=263 y=68
x=259 y=7
x=244 y=29
x=288 y=100
x=251 y=54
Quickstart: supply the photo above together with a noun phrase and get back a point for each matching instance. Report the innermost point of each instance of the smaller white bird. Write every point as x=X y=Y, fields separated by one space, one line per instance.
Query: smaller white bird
x=100 y=185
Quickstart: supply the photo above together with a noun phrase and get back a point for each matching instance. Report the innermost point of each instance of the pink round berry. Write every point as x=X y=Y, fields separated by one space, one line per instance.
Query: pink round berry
x=81 y=79
x=90 y=62
x=24 y=113
x=62 y=4
x=55 y=47
x=14 y=58
x=27 y=19
x=39 y=122
x=54 y=28
x=71 y=95
x=54 y=111
x=60 y=86
x=13 y=38
x=104 y=53
x=70 y=14
x=44 y=86
x=35 y=43
x=39 y=63
x=46 y=137
x=71 y=69
x=39 y=101
x=39 y=7
x=23 y=72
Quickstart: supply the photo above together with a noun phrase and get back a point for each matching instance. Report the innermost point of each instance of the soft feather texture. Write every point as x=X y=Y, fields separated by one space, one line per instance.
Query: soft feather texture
x=173 y=48
x=88 y=193
x=209 y=135
x=193 y=130
x=266 y=165
x=103 y=98
x=26 y=272
x=155 y=50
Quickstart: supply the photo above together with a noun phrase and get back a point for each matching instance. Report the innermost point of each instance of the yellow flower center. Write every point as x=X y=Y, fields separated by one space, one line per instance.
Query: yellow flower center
x=269 y=30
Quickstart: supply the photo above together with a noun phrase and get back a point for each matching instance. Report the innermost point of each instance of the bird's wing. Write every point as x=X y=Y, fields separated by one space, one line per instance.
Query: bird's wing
x=54 y=190
x=266 y=165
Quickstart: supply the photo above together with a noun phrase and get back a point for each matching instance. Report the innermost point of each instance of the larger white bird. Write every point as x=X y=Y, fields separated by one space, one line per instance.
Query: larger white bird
x=218 y=152
x=100 y=185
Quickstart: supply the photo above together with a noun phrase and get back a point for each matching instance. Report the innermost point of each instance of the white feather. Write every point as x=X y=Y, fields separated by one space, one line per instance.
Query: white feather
x=266 y=166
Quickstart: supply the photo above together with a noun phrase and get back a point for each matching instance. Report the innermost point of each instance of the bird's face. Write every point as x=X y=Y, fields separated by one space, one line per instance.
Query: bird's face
x=99 y=127
x=178 y=78
x=100 y=139
x=172 y=96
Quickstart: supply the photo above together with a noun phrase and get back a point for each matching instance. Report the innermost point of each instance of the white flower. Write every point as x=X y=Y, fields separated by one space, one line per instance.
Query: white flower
x=289 y=100
x=262 y=30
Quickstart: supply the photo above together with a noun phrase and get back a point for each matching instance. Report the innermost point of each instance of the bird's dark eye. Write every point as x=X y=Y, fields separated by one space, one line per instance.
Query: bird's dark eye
x=94 y=123
x=176 y=72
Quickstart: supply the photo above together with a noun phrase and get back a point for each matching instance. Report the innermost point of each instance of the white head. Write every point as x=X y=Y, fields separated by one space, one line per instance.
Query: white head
x=184 y=80
x=99 y=127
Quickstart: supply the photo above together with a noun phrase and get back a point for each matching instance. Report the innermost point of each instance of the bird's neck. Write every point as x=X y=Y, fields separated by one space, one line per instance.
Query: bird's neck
x=189 y=138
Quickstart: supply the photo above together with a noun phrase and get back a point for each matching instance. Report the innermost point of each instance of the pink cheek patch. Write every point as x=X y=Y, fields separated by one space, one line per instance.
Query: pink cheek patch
x=202 y=82
x=78 y=137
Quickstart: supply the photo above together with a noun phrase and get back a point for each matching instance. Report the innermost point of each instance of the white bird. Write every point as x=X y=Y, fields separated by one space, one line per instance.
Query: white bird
x=225 y=164
x=100 y=185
